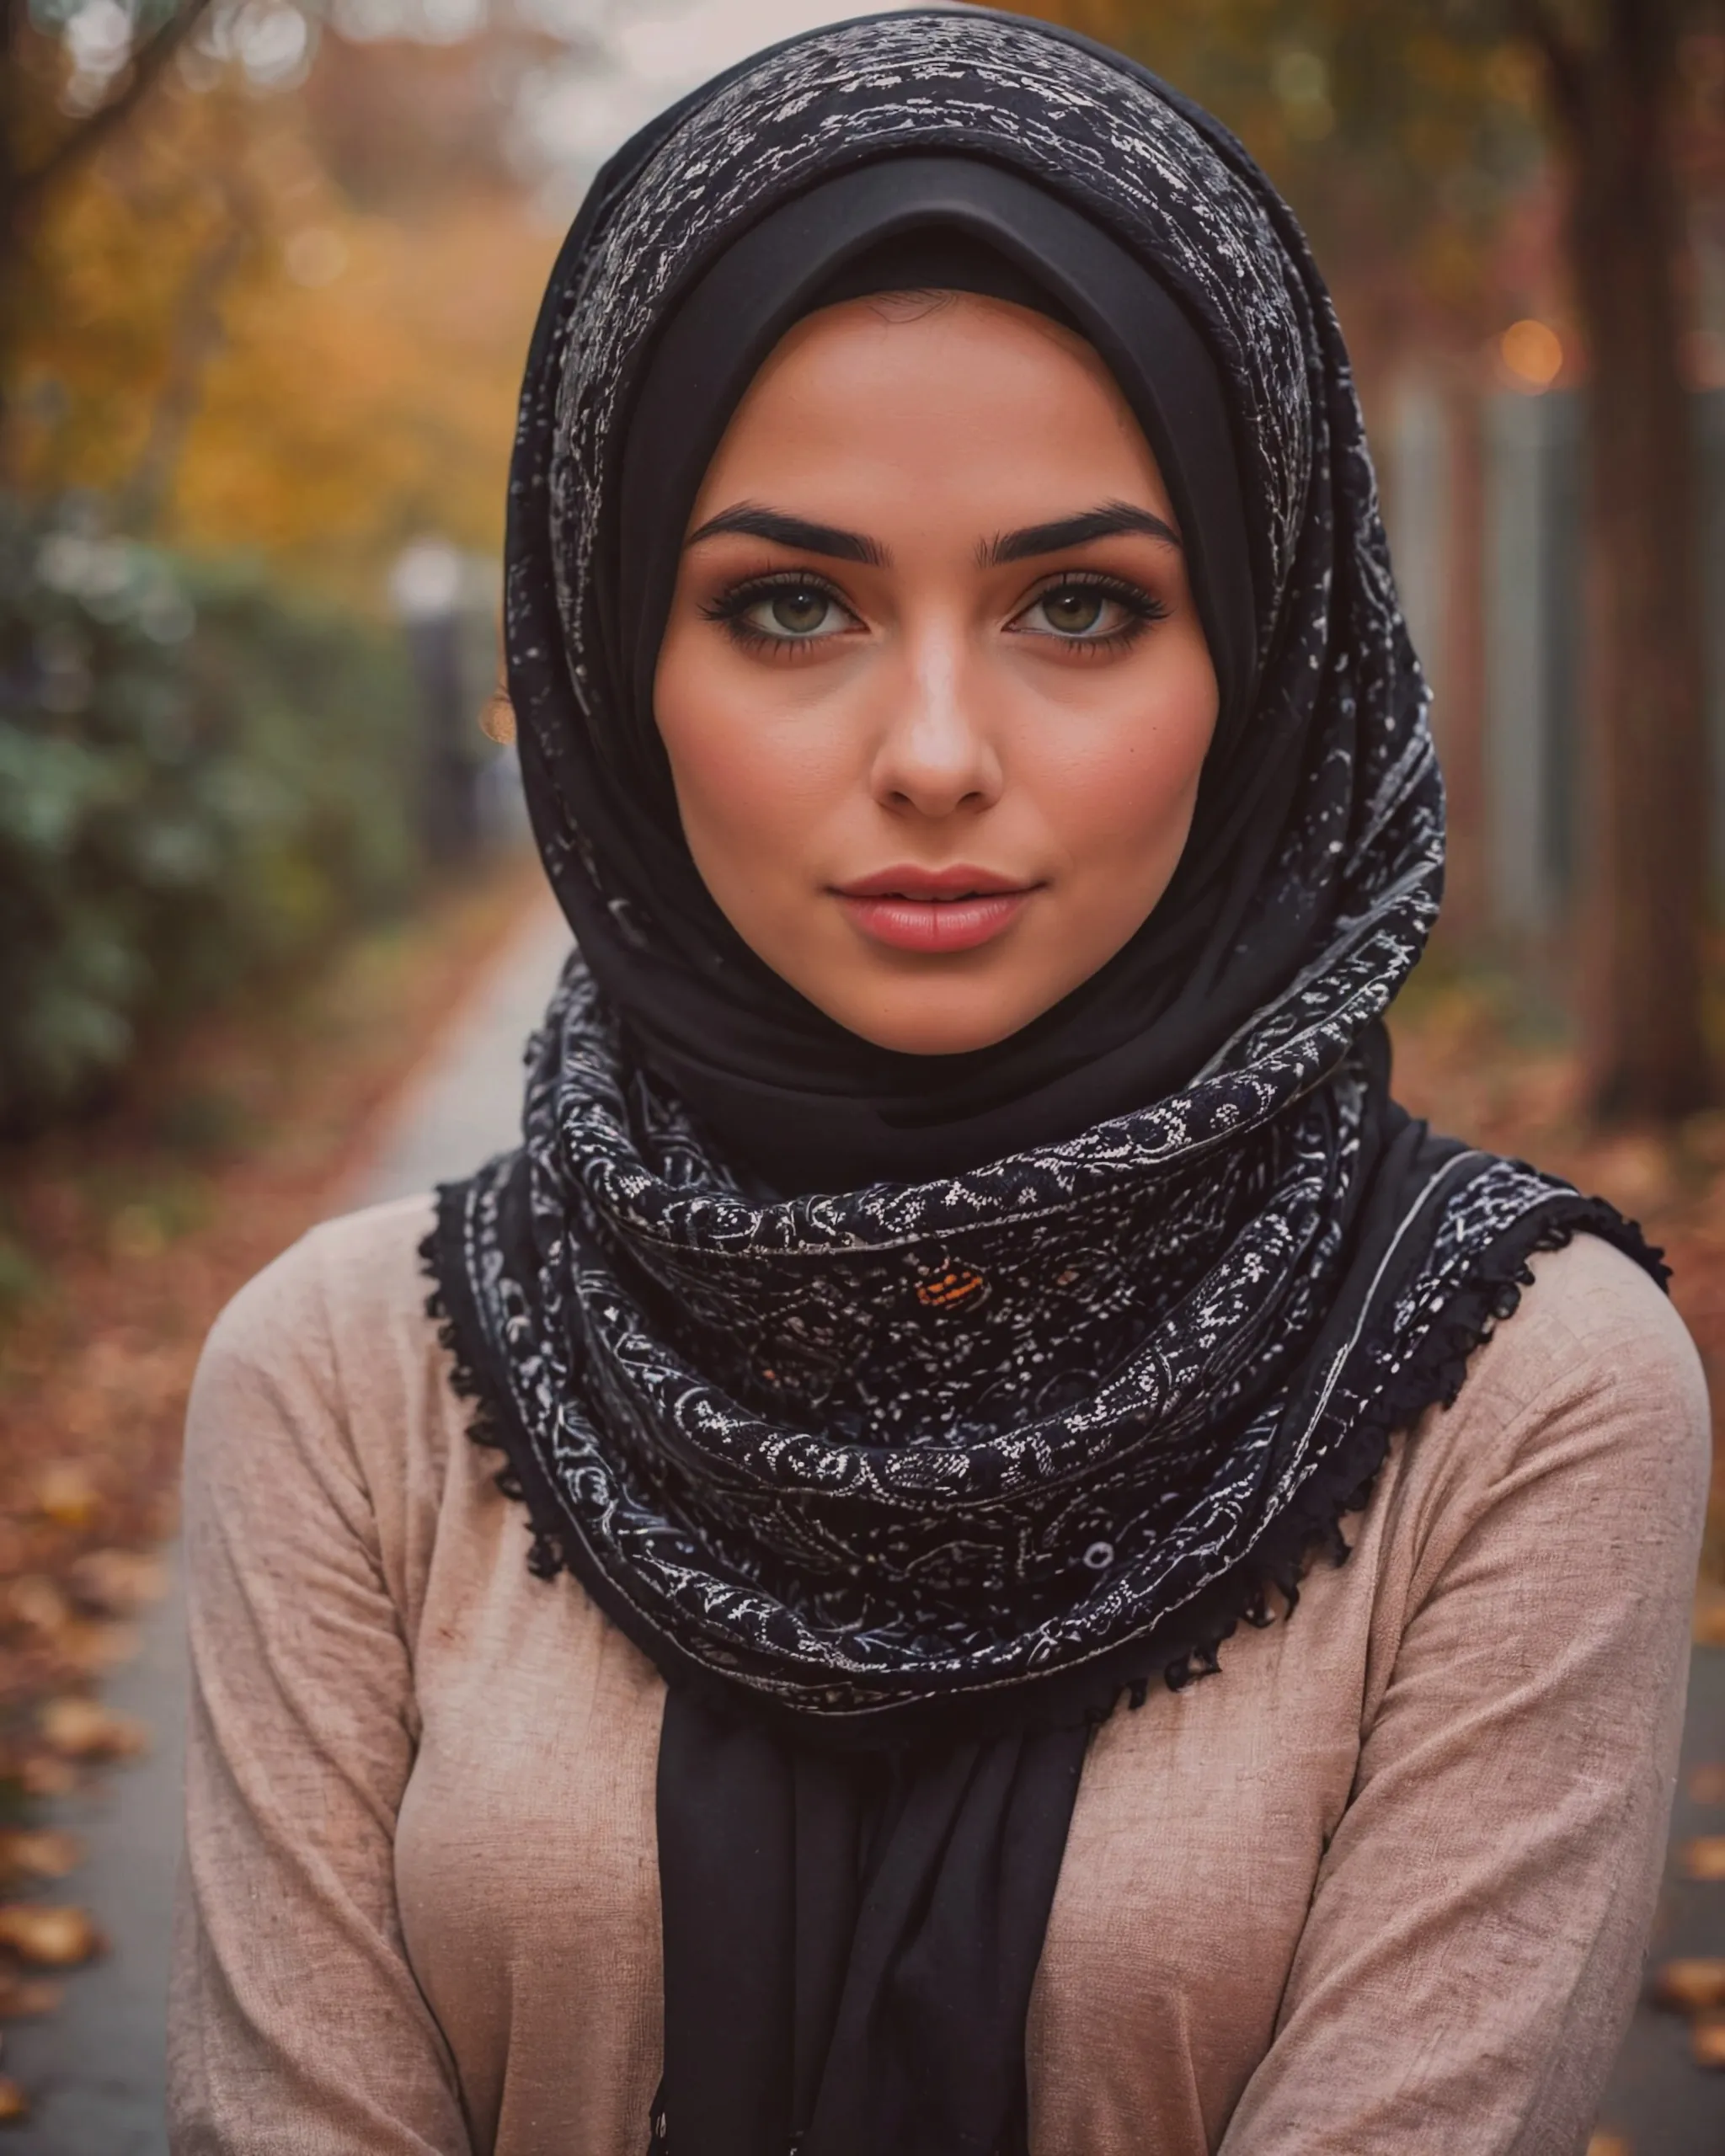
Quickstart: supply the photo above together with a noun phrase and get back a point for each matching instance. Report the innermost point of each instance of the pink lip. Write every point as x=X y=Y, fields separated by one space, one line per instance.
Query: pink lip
x=938 y=910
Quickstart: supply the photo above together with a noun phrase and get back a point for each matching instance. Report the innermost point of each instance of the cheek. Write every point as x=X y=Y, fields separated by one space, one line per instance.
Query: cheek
x=1117 y=791
x=751 y=769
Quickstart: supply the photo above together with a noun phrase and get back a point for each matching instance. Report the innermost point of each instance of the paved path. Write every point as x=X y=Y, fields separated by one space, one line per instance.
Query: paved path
x=96 y=2069
x=1660 y=2102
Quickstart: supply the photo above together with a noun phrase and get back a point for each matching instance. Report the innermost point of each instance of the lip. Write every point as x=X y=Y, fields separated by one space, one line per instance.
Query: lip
x=908 y=908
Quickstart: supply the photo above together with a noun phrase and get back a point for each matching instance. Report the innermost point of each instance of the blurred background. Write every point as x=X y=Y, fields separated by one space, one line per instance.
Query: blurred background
x=270 y=931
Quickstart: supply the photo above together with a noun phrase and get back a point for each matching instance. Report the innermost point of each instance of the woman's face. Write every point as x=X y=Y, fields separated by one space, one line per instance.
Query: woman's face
x=933 y=689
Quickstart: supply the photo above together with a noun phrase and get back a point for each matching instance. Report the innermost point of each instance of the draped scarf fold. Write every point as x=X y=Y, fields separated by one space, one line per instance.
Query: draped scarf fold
x=904 y=1480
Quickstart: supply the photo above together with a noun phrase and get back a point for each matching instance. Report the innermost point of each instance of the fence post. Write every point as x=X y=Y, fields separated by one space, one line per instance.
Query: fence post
x=1435 y=510
x=433 y=586
x=1533 y=490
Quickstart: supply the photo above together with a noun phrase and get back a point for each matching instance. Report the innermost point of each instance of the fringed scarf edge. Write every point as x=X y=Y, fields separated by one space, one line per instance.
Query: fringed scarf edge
x=1186 y=1644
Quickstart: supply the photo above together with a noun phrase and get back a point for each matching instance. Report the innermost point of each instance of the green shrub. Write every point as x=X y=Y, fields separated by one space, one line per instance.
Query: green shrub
x=202 y=777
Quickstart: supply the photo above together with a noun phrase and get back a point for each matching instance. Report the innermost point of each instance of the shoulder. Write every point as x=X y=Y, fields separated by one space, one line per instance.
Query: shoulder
x=344 y=1288
x=1588 y=1403
x=326 y=1362
x=1592 y=1332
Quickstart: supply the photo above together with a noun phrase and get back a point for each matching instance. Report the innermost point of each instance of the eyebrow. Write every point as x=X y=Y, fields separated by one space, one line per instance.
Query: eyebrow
x=802 y=536
x=1105 y=522
x=797 y=532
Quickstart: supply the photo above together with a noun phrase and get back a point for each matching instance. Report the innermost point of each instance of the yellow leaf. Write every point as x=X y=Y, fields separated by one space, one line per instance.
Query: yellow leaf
x=1690 y=1986
x=35 y=1601
x=66 y=1494
x=117 y=1583
x=1706 y=1784
x=50 y=1938
x=47 y=1853
x=84 y=1729
x=95 y=1649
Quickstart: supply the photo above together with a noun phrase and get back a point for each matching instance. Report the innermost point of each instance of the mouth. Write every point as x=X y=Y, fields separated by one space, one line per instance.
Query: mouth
x=934 y=909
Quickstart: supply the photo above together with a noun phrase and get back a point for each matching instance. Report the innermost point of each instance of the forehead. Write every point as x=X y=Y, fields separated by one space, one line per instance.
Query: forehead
x=895 y=335
x=1066 y=118
x=931 y=387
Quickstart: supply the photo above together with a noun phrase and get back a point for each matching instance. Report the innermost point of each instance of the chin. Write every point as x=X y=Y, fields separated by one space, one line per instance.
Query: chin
x=936 y=1028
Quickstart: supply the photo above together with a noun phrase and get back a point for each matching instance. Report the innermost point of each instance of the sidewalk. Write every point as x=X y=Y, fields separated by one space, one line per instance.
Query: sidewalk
x=1660 y=2103
x=95 y=2070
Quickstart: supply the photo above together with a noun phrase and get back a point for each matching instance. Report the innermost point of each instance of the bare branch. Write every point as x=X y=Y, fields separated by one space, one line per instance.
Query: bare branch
x=82 y=140
x=198 y=336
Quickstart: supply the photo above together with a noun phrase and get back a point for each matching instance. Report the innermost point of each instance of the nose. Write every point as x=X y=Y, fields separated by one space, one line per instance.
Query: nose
x=936 y=754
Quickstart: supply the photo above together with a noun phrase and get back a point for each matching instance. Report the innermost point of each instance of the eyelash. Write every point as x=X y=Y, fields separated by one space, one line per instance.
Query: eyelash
x=730 y=610
x=1142 y=607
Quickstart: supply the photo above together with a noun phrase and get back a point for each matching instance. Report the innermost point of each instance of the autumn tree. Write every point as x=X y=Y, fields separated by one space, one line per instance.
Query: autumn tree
x=281 y=309
x=60 y=101
x=1611 y=84
x=1405 y=133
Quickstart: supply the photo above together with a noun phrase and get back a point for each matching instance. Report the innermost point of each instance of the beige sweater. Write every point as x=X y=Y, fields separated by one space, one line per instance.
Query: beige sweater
x=1381 y=1887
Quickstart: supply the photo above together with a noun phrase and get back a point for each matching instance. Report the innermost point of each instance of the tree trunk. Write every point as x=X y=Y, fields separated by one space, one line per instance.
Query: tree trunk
x=35 y=160
x=1645 y=871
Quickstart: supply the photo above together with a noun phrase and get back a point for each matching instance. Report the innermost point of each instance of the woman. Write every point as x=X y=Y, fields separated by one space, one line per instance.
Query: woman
x=963 y=1259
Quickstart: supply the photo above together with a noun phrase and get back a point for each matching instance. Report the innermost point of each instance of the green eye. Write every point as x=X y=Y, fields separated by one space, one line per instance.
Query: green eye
x=1099 y=613
x=797 y=610
x=1073 y=610
x=774 y=614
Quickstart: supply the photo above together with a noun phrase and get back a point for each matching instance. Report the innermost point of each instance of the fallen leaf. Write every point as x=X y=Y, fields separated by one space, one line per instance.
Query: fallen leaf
x=1691 y=1987
x=97 y=1648
x=21 y=1996
x=36 y=1601
x=137 y=1231
x=1608 y=2144
x=14 y=2102
x=43 y=1775
x=1710 y=1621
x=1706 y=2037
x=48 y=1937
x=1703 y=1858
x=1637 y=1167
x=66 y=1494
x=40 y=1853
x=117 y=1583
x=84 y=1729
x=1706 y=1784
x=95 y=1369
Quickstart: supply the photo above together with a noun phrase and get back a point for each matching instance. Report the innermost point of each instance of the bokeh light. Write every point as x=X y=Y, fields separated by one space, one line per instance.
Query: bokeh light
x=1533 y=352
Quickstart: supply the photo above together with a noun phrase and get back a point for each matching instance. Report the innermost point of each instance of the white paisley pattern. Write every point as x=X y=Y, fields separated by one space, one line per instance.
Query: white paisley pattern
x=909 y=1443
x=1067 y=1416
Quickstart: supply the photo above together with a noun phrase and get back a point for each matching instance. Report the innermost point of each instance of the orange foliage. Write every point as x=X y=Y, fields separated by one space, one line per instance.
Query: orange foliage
x=245 y=346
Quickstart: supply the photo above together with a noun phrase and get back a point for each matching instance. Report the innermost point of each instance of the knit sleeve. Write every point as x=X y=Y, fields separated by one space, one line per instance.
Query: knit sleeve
x=1474 y=1944
x=296 y=2021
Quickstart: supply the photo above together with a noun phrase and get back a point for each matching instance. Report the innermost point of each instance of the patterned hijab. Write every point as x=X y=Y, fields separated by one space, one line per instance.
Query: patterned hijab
x=907 y=1413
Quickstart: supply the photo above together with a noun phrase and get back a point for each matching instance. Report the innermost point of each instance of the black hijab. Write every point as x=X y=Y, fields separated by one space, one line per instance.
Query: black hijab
x=789 y=1088
x=1046 y=1365
x=661 y=362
